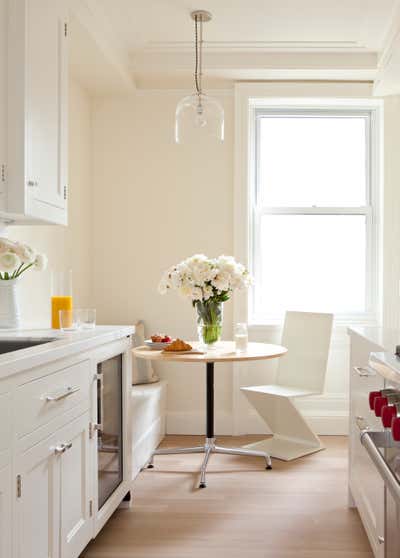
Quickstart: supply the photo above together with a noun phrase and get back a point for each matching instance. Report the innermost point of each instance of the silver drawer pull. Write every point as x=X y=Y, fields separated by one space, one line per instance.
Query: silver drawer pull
x=364 y=371
x=58 y=396
x=62 y=448
x=362 y=423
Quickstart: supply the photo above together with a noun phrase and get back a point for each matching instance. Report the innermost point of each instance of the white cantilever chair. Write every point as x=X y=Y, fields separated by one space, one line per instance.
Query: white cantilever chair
x=301 y=372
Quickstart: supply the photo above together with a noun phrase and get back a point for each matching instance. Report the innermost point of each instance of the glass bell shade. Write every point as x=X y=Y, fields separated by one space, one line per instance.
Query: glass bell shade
x=199 y=115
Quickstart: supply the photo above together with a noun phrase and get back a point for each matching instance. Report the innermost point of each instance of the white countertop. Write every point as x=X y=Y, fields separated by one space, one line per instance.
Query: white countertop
x=66 y=344
x=385 y=339
x=383 y=360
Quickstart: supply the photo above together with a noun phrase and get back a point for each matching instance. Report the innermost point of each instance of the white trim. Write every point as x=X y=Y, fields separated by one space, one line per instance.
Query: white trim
x=327 y=414
x=371 y=109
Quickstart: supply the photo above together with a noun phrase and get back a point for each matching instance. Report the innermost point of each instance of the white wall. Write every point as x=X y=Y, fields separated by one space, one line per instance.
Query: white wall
x=66 y=247
x=391 y=215
x=154 y=204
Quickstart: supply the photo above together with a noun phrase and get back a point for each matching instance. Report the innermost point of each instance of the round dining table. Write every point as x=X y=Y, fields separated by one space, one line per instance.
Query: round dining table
x=225 y=351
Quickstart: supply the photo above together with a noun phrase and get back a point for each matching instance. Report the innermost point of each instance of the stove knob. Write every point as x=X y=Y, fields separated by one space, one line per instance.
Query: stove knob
x=387 y=415
x=372 y=397
x=378 y=404
x=396 y=429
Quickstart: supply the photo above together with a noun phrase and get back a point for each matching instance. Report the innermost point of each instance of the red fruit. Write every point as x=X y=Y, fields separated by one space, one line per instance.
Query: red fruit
x=166 y=339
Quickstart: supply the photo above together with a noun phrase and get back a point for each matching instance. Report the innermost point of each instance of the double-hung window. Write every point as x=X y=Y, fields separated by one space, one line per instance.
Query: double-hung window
x=313 y=205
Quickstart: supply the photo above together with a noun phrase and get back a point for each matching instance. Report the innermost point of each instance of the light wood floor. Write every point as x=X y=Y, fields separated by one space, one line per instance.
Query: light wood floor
x=297 y=510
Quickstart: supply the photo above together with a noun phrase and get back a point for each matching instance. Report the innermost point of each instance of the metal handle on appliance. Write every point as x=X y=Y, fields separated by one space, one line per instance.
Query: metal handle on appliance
x=62 y=448
x=58 y=396
x=362 y=423
x=364 y=371
x=384 y=471
x=100 y=390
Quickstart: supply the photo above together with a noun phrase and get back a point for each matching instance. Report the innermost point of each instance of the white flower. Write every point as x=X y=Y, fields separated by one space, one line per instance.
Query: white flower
x=6 y=245
x=25 y=252
x=222 y=281
x=9 y=262
x=200 y=278
x=40 y=262
x=207 y=292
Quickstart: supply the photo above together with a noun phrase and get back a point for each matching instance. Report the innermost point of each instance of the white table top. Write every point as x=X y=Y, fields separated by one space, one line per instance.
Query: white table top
x=224 y=352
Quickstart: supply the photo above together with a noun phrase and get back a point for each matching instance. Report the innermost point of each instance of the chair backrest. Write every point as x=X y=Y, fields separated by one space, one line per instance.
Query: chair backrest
x=307 y=336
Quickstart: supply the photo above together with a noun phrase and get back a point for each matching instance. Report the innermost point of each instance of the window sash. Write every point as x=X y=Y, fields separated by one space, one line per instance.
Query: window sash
x=369 y=210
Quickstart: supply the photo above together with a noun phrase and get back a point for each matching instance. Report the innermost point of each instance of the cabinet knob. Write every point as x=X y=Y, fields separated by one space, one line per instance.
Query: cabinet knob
x=62 y=448
x=387 y=415
x=33 y=183
x=379 y=403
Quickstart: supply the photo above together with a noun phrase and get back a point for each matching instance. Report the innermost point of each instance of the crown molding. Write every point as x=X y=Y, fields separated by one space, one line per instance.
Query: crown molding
x=387 y=81
x=255 y=46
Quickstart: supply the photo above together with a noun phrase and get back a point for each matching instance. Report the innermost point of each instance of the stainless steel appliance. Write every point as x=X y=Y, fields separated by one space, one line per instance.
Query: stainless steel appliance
x=109 y=427
x=383 y=447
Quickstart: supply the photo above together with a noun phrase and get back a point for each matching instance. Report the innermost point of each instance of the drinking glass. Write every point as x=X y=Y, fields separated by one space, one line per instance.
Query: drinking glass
x=87 y=318
x=68 y=320
x=61 y=295
x=241 y=337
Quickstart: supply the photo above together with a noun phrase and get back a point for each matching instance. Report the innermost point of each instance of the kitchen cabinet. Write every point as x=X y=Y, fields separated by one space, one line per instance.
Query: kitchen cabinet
x=76 y=502
x=5 y=512
x=53 y=494
x=38 y=500
x=33 y=146
x=49 y=477
x=365 y=484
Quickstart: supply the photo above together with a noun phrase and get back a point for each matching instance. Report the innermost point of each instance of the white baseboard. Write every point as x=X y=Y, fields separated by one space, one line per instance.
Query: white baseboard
x=327 y=415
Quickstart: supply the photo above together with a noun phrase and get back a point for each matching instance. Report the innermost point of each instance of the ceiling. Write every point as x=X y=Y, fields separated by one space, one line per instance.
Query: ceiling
x=246 y=39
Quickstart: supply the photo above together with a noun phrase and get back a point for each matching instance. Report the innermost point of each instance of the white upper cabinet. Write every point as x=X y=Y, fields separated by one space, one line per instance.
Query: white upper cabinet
x=36 y=99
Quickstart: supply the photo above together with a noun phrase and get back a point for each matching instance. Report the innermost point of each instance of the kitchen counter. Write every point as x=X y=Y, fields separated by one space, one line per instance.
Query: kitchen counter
x=385 y=338
x=384 y=361
x=65 y=344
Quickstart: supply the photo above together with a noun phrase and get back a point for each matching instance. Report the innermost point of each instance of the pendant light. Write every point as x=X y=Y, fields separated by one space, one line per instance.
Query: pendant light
x=199 y=113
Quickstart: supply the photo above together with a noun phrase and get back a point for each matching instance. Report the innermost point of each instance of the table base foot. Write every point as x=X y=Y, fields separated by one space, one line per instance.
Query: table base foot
x=208 y=448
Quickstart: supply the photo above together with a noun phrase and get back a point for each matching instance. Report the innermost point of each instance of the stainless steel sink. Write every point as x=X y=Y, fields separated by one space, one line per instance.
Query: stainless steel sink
x=18 y=343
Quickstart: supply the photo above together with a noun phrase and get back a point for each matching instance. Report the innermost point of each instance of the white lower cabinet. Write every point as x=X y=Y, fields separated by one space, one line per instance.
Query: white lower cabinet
x=76 y=506
x=53 y=508
x=38 y=501
x=366 y=485
x=5 y=512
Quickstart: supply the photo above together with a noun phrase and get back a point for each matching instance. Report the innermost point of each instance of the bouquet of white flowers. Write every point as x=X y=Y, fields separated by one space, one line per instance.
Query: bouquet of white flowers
x=17 y=257
x=207 y=282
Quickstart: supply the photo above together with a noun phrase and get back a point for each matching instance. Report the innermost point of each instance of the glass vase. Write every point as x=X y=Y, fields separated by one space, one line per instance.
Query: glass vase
x=209 y=322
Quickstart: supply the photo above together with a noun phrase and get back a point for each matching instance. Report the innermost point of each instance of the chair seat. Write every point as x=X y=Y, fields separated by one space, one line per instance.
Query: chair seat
x=280 y=391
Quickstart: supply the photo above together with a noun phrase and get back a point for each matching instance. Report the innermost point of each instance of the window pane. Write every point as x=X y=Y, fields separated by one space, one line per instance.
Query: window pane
x=312 y=160
x=311 y=263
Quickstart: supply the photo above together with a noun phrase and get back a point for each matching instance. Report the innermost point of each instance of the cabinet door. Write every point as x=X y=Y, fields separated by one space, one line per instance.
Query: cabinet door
x=5 y=512
x=76 y=509
x=46 y=106
x=367 y=486
x=38 y=502
x=37 y=110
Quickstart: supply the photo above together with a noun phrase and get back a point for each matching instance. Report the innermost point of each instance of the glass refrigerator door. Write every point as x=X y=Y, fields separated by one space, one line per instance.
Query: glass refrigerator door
x=109 y=439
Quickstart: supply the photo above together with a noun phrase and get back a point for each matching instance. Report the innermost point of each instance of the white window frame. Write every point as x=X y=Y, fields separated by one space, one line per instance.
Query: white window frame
x=247 y=107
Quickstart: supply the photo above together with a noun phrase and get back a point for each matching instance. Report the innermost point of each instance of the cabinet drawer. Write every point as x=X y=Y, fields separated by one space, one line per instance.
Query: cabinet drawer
x=40 y=401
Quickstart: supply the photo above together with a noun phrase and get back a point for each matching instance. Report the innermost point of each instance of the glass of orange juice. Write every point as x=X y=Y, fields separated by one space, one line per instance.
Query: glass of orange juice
x=61 y=295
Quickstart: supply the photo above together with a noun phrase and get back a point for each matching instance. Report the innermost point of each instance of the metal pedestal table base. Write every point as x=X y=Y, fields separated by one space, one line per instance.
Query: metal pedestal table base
x=209 y=446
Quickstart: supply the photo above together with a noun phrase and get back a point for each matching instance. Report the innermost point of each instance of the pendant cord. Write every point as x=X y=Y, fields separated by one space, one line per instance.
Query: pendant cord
x=198 y=63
